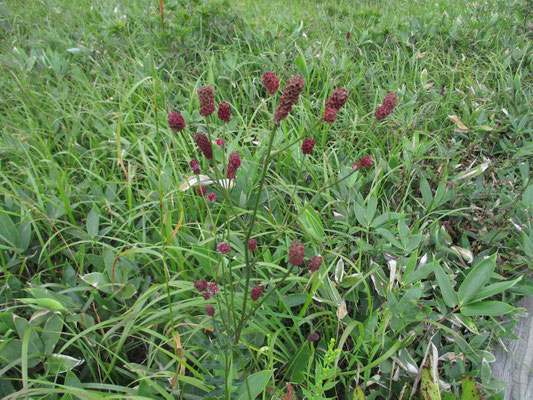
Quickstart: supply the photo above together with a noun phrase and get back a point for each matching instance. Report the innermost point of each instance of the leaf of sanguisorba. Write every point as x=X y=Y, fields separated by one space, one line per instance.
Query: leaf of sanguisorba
x=476 y=279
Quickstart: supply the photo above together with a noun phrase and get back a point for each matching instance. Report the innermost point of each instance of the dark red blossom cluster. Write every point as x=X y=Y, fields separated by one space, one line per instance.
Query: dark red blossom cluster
x=176 y=121
x=223 y=248
x=365 y=161
x=336 y=101
x=210 y=310
x=224 y=111
x=201 y=190
x=204 y=144
x=234 y=164
x=252 y=244
x=207 y=100
x=296 y=253
x=256 y=292
x=208 y=290
x=330 y=115
x=314 y=263
x=389 y=103
x=289 y=96
x=195 y=166
x=307 y=145
x=271 y=82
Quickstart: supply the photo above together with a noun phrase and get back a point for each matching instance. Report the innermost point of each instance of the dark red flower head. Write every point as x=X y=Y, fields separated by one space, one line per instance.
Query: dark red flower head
x=201 y=190
x=223 y=248
x=204 y=144
x=256 y=292
x=338 y=99
x=348 y=36
x=176 y=121
x=271 y=82
x=195 y=166
x=290 y=95
x=220 y=142
x=296 y=253
x=206 y=295
x=313 y=337
x=314 y=263
x=330 y=115
x=389 y=103
x=224 y=111
x=307 y=145
x=200 y=285
x=233 y=164
x=211 y=197
x=365 y=161
x=210 y=310
x=207 y=100
x=252 y=244
x=213 y=288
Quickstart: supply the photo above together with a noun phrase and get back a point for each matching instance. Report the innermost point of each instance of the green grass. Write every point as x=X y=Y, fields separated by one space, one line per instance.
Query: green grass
x=90 y=199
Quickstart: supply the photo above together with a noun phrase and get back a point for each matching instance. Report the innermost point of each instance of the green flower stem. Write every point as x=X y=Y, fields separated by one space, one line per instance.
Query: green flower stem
x=249 y=232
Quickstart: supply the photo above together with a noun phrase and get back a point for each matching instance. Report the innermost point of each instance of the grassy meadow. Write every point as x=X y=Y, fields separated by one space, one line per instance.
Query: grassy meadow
x=425 y=253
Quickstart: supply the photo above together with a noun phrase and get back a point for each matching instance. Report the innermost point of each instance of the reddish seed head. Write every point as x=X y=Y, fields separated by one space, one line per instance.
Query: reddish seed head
x=271 y=82
x=290 y=95
x=389 y=103
x=211 y=197
x=210 y=310
x=330 y=115
x=200 y=285
x=365 y=161
x=233 y=164
x=314 y=263
x=220 y=142
x=213 y=288
x=348 y=36
x=195 y=166
x=207 y=100
x=338 y=99
x=256 y=292
x=176 y=121
x=201 y=190
x=206 y=295
x=296 y=253
x=252 y=244
x=223 y=248
x=224 y=111
x=313 y=337
x=307 y=145
x=204 y=144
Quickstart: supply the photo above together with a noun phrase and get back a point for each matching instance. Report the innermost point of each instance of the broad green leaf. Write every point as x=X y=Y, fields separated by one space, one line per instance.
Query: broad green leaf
x=312 y=225
x=49 y=304
x=492 y=308
x=371 y=206
x=425 y=189
x=494 y=289
x=476 y=279
x=419 y=274
x=390 y=237
x=93 y=220
x=58 y=363
x=448 y=294
x=51 y=333
x=448 y=396
x=298 y=366
x=257 y=383
x=8 y=232
x=428 y=388
x=470 y=391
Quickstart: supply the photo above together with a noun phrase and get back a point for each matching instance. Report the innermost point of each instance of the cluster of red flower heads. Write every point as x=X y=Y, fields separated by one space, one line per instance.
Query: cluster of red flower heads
x=234 y=164
x=296 y=257
x=389 y=103
x=207 y=100
x=290 y=95
x=337 y=100
x=365 y=161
